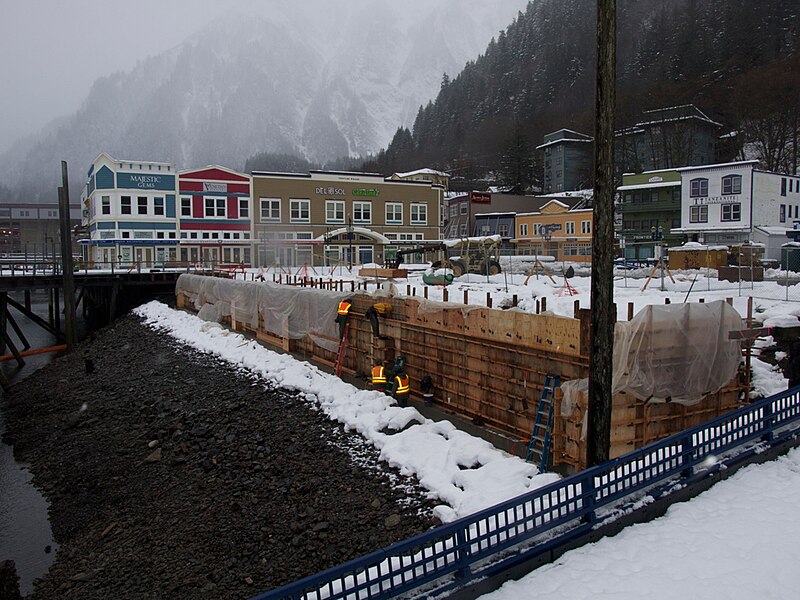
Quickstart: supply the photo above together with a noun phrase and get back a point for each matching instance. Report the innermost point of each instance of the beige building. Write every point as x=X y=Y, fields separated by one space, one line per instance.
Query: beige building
x=339 y=218
x=560 y=229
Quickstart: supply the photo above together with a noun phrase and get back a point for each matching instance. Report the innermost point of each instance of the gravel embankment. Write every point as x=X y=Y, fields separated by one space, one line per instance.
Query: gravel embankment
x=173 y=475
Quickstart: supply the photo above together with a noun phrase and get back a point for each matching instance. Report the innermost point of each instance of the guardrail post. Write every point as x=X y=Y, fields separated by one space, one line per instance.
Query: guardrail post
x=462 y=555
x=587 y=498
x=687 y=449
x=768 y=421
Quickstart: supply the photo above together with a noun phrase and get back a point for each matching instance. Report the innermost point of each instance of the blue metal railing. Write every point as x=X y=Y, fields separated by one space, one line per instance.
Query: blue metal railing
x=477 y=545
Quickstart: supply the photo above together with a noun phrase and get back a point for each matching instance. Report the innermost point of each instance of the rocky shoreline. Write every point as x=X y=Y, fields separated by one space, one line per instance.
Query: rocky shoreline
x=172 y=474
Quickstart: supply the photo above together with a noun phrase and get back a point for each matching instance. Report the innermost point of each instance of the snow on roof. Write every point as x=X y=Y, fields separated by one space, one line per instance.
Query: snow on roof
x=640 y=186
x=681 y=112
x=423 y=172
x=695 y=246
x=481 y=238
x=740 y=163
x=773 y=230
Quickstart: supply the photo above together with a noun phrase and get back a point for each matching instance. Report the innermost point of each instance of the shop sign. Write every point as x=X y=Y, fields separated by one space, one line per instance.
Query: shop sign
x=329 y=191
x=480 y=197
x=655 y=179
x=215 y=187
x=366 y=192
x=145 y=182
x=717 y=200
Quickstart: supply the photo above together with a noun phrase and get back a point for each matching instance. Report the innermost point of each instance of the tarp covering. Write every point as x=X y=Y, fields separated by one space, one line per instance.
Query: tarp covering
x=285 y=311
x=676 y=352
x=671 y=353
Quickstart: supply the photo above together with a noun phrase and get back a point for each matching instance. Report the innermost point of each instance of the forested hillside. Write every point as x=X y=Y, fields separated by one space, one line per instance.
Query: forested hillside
x=737 y=60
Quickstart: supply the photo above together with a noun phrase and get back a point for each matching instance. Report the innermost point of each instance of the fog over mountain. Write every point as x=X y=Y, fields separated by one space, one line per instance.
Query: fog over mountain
x=323 y=84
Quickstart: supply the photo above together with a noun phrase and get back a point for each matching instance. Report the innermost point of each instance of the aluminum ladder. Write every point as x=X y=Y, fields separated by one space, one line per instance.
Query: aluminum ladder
x=543 y=426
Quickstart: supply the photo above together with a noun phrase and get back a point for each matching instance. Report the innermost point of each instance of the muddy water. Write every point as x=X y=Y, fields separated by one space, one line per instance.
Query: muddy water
x=25 y=534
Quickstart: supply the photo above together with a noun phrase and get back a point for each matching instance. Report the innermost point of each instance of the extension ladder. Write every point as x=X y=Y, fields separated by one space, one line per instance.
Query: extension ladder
x=543 y=426
x=342 y=350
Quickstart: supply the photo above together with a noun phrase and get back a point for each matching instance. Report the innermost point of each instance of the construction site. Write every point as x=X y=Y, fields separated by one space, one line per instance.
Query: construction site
x=520 y=374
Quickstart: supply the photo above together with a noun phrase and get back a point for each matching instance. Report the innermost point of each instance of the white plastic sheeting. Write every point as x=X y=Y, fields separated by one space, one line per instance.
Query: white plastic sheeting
x=285 y=311
x=677 y=352
x=671 y=353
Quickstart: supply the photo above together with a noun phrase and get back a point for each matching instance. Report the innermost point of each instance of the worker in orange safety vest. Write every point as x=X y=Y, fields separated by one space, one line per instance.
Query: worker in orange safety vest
x=342 y=313
x=378 y=378
x=401 y=389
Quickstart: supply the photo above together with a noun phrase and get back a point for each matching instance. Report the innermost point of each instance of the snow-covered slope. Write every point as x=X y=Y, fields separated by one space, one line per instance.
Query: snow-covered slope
x=302 y=78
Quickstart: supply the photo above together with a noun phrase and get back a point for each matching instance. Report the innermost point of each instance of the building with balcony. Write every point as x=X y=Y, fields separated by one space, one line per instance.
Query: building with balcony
x=650 y=207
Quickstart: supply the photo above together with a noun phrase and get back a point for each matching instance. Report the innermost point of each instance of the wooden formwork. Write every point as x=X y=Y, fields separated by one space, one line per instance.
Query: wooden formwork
x=633 y=423
x=490 y=365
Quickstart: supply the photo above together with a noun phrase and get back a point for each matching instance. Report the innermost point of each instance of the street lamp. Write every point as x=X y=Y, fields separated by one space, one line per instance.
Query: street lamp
x=350 y=242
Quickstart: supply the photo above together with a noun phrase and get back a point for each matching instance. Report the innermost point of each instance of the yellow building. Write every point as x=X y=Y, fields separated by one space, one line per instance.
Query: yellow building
x=561 y=228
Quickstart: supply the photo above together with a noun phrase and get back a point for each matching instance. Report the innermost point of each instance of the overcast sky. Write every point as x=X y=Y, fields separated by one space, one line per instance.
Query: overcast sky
x=51 y=51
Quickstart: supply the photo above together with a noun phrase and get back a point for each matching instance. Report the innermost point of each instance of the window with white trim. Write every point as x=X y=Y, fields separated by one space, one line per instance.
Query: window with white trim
x=464 y=208
x=462 y=230
x=362 y=212
x=698 y=213
x=105 y=202
x=419 y=214
x=698 y=188
x=215 y=207
x=158 y=206
x=586 y=227
x=731 y=212
x=141 y=205
x=502 y=229
x=453 y=210
x=570 y=228
x=394 y=213
x=186 y=207
x=270 y=209
x=523 y=229
x=299 y=211
x=334 y=211
x=731 y=184
x=244 y=208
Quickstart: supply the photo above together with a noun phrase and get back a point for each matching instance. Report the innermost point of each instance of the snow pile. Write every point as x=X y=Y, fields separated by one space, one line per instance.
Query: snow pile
x=736 y=541
x=465 y=472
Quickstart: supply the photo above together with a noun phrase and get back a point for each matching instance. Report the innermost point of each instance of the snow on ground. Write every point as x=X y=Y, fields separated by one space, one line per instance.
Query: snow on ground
x=464 y=472
x=736 y=541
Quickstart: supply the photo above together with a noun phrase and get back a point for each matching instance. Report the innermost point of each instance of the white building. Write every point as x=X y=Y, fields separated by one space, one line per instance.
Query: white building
x=129 y=210
x=723 y=203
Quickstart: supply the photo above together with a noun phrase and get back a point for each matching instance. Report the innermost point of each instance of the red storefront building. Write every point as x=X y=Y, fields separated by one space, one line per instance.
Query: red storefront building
x=215 y=216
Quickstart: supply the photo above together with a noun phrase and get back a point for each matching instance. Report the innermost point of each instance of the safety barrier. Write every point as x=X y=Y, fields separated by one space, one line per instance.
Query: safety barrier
x=487 y=542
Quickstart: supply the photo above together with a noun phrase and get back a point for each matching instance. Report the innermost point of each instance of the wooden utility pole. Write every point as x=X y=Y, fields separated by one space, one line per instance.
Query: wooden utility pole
x=66 y=259
x=602 y=291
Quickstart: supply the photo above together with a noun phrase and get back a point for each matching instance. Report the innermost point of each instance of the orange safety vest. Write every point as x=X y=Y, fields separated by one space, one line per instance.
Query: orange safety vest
x=378 y=375
x=402 y=388
x=344 y=308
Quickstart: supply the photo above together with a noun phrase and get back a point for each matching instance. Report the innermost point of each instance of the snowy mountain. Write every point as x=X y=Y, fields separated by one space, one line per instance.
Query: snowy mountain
x=301 y=79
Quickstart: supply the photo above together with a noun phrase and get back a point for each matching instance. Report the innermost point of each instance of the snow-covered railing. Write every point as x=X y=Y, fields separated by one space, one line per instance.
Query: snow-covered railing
x=490 y=541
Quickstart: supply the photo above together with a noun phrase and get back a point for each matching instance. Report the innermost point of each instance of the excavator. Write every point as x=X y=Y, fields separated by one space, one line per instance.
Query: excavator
x=479 y=255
